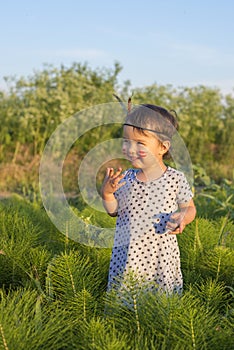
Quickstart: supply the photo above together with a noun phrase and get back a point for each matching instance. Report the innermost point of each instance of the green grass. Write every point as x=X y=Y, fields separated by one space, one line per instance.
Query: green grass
x=53 y=290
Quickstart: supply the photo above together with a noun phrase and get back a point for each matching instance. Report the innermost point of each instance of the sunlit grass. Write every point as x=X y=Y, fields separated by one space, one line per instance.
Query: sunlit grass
x=53 y=290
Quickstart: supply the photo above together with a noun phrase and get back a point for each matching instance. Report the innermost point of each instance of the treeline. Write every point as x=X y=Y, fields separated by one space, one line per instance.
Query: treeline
x=34 y=106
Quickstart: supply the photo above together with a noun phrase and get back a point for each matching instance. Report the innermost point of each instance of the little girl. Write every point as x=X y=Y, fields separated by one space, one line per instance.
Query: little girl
x=152 y=202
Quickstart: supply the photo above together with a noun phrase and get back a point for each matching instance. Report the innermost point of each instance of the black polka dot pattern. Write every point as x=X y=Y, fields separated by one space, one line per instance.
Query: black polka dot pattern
x=140 y=245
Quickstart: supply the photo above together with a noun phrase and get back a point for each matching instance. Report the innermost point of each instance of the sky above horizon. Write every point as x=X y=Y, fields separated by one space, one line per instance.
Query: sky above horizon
x=156 y=41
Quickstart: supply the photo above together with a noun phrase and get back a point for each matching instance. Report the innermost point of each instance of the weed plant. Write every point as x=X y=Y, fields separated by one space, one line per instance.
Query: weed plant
x=53 y=290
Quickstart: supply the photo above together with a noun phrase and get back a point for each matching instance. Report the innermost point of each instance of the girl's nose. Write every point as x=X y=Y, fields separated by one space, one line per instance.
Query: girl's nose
x=124 y=149
x=131 y=148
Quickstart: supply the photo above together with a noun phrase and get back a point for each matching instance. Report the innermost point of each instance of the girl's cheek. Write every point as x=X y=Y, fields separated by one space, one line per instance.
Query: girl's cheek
x=142 y=154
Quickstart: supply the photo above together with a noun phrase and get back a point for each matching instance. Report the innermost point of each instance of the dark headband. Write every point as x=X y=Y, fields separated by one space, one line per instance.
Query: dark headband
x=139 y=127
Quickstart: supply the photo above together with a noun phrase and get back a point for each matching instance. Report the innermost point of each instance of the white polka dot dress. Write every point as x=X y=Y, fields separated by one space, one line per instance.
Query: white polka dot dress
x=141 y=248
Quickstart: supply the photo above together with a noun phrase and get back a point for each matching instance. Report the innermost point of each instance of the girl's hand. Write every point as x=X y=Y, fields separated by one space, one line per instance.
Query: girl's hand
x=111 y=181
x=180 y=219
x=176 y=224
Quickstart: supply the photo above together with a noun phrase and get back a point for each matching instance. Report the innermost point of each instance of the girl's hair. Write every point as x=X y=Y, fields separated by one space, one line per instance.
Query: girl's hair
x=156 y=119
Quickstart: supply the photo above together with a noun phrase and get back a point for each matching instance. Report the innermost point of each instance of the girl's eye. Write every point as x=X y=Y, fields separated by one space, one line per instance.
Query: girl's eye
x=140 y=143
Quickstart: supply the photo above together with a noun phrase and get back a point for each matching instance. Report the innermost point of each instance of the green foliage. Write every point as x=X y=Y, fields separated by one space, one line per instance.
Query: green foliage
x=76 y=282
x=97 y=218
x=191 y=321
x=217 y=199
x=200 y=176
x=34 y=106
x=22 y=259
x=99 y=334
x=53 y=290
x=26 y=322
x=207 y=251
x=38 y=104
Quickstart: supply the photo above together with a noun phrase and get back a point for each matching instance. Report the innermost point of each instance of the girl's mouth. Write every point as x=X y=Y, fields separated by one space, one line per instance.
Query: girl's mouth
x=142 y=154
x=133 y=159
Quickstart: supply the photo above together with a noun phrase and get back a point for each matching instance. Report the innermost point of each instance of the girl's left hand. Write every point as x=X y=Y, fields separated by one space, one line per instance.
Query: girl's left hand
x=176 y=224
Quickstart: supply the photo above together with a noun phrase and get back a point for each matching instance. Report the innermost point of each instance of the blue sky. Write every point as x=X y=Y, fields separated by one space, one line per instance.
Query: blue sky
x=183 y=43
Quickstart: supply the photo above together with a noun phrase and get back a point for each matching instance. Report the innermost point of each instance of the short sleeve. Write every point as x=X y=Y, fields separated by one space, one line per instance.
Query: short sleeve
x=184 y=194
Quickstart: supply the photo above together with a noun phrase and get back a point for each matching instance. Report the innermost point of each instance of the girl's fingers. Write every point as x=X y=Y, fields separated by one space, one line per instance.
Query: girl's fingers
x=111 y=172
x=179 y=229
x=112 y=175
x=182 y=227
x=172 y=223
x=175 y=216
x=114 y=178
x=121 y=184
x=175 y=232
x=117 y=174
x=116 y=182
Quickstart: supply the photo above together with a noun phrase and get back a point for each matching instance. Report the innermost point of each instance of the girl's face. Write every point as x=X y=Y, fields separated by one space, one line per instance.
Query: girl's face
x=141 y=150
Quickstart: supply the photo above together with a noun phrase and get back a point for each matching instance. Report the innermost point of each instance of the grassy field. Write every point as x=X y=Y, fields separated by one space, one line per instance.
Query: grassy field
x=53 y=290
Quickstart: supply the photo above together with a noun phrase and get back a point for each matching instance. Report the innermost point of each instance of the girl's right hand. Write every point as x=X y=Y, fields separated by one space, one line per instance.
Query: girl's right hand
x=111 y=181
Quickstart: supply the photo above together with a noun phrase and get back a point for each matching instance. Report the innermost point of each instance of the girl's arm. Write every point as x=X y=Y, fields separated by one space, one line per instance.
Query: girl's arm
x=110 y=185
x=110 y=204
x=179 y=220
